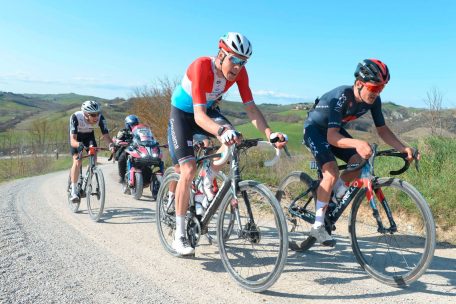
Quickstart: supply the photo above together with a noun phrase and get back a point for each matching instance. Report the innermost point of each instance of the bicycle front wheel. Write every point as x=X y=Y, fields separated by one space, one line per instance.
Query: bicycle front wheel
x=297 y=187
x=96 y=194
x=255 y=251
x=165 y=214
x=395 y=257
x=74 y=205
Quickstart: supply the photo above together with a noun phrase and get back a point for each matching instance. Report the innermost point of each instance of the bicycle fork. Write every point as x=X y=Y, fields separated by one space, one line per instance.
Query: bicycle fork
x=381 y=197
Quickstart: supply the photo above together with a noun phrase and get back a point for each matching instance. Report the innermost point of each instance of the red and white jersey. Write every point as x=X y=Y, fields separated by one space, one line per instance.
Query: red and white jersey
x=201 y=86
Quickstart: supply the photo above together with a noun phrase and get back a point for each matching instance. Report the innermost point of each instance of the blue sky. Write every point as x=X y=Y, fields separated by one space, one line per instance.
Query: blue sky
x=301 y=49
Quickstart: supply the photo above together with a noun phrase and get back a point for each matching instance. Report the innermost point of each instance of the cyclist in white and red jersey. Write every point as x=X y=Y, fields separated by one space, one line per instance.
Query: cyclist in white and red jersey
x=326 y=137
x=192 y=112
x=82 y=125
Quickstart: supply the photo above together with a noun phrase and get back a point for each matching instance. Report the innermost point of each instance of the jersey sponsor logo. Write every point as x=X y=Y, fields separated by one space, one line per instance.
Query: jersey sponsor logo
x=173 y=134
x=340 y=103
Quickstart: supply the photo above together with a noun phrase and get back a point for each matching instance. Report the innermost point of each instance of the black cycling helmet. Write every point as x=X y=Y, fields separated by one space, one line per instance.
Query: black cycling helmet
x=131 y=121
x=372 y=70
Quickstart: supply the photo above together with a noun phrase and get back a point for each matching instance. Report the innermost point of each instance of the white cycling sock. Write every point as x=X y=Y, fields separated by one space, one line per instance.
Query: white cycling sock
x=170 y=196
x=74 y=188
x=180 y=226
x=320 y=214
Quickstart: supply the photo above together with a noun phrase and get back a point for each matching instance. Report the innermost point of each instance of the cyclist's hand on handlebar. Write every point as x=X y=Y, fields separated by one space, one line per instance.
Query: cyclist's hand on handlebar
x=278 y=139
x=230 y=137
x=80 y=147
x=411 y=154
x=112 y=148
x=364 y=149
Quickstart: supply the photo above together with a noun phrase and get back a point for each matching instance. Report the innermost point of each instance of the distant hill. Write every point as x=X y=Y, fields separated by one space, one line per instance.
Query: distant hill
x=18 y=110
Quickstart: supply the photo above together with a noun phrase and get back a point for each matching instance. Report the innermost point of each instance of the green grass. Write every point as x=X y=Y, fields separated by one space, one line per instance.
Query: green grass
x=293 y=130
x=434 y=180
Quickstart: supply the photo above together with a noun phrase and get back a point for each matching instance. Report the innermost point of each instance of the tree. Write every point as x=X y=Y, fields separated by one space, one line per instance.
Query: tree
x=434 y=102
x=152 y=104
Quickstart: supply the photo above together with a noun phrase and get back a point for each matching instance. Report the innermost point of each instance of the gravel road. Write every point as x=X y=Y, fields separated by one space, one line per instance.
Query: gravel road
x=50 y=255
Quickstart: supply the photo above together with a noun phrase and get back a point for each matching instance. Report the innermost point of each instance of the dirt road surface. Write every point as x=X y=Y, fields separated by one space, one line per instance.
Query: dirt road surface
x=50 y=255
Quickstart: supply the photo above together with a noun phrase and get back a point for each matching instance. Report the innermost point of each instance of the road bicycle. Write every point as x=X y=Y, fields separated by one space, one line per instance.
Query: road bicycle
x=391 y=227
x=90 y=186
x=253 y=246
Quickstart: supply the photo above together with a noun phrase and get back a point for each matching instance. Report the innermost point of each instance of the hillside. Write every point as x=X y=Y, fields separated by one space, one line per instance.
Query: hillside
x=18 y=111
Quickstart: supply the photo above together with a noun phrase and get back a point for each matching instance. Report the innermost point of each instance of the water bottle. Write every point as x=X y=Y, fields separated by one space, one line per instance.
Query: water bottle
x=340 y=192
x=199 y=196
x=205 y=202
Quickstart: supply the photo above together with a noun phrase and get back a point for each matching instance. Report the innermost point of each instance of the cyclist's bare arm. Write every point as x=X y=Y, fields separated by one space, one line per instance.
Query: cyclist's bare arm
x=205 y=121
x=390 y=138
x=338 y=140
x=74 y=140
x=257 y=119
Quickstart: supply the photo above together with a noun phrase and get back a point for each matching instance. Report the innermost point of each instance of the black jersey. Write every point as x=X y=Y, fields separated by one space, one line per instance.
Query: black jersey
x=337 y=107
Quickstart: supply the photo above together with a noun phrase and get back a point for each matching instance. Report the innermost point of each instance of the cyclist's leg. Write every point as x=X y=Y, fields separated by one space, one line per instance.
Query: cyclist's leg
x=181 y=129
x=172 y=154
x=349 y=156
x=315 y=140
x=74 y=173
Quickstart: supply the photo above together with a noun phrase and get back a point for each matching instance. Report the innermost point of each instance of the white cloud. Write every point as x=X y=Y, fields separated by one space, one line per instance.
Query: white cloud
x=76 y=82
x=268 y=96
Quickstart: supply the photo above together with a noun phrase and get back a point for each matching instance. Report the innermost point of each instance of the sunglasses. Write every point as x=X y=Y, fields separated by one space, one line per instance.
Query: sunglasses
x=237 y=60
x=374 y=88
x=93 y=114
x=234 y=59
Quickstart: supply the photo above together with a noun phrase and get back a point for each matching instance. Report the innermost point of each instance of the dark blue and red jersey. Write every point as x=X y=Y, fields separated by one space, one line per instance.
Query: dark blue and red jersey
x=338 y=107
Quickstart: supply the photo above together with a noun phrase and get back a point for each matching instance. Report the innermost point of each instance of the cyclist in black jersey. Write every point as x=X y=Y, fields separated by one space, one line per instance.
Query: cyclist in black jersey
x=325 y=136
x=82 y=133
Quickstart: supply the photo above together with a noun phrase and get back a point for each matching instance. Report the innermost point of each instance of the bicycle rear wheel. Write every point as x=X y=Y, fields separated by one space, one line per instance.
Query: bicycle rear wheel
x=293 y=188
x=165 y=215
x=96 y=194
x=74 y=205
x=393 y=258
x=255 y=252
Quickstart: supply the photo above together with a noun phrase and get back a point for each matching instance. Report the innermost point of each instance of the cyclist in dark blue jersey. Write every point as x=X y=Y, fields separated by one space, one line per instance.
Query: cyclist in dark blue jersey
x=325 y=136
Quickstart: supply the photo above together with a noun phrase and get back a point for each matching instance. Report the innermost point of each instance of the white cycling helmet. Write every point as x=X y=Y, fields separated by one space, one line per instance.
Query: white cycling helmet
x=236 y=43
x=90 y=106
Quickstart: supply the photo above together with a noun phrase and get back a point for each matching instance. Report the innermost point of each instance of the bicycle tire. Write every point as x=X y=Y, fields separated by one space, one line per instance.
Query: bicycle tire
x=137 y=190
x=289 y=189
x=413 y=244
x=166 y=220
x=245 y=265
x=74 y=205
x=96 y=194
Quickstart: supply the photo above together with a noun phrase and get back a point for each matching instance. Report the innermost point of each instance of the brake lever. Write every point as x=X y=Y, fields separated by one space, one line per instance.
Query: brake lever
x=286 y=151
x=415 y=157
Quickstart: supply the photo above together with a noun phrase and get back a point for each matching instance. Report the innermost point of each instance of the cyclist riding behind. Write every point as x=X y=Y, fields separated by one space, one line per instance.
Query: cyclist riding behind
x=325 y=136
x=192 y=112
x=82 y=125
x=124 y=135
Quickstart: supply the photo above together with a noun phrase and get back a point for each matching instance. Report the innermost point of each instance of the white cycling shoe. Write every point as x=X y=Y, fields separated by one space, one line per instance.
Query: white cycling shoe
x=182 y=246
x=322 y=236
x=74 y=197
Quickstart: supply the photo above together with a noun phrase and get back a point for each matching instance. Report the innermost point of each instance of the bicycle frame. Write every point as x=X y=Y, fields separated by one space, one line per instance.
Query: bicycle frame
x=231 y=183
x=366 y=181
